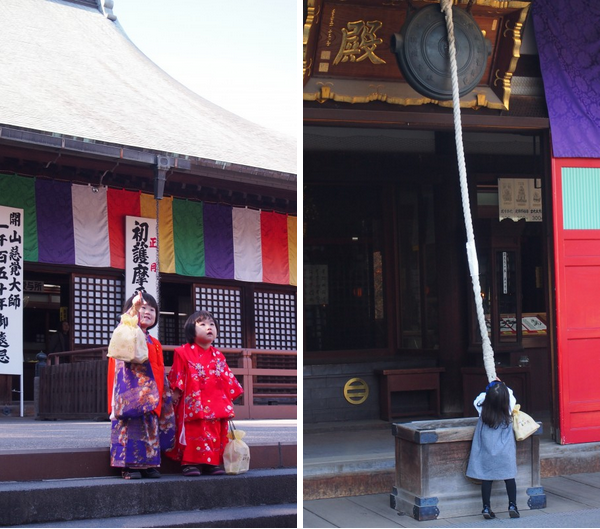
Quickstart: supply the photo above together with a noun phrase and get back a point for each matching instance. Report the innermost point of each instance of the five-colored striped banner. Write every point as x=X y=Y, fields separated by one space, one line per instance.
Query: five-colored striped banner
x=82 y=225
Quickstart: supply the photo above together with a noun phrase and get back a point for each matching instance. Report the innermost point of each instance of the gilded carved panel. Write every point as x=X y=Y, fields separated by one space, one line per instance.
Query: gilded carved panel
x=348 y=57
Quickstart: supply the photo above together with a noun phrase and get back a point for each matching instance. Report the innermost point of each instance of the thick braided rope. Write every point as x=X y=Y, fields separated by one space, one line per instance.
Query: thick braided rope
x=488 y=353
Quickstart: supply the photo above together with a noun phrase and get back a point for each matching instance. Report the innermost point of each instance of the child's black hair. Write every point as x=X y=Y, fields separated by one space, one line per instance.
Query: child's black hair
x=495 y=408
x=149 y=299
x=190 y=324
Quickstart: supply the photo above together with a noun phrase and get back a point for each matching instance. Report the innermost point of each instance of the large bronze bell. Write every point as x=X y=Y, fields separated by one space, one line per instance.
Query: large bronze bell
x=421 y=49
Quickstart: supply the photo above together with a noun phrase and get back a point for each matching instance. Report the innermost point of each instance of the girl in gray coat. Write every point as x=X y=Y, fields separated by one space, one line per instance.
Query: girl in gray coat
x=494 y=450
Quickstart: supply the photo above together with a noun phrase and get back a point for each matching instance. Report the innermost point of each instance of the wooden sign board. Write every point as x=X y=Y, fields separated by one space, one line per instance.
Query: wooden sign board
x=354 y=41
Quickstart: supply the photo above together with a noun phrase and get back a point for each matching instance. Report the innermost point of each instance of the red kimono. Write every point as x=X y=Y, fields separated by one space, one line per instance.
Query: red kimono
x=202 y=414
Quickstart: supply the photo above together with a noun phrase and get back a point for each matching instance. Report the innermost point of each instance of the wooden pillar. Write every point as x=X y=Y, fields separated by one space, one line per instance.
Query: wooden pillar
x=5 y=389
x=452 y=272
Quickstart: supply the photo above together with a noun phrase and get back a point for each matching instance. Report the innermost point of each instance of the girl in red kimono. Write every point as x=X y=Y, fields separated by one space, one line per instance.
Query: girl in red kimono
x=204 y=389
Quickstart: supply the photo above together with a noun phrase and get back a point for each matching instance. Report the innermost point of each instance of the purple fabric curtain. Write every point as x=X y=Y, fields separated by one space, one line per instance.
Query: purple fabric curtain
x=568 y=39
x=54 y=207
x=218 y=241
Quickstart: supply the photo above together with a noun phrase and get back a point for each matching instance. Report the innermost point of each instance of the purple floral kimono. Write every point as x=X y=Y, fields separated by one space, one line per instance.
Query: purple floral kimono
x=138 y=432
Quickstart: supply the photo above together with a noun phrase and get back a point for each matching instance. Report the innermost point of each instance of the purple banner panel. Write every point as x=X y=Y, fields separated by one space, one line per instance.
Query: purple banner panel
x=54 y=206
x=218 y=241
x=568 y=39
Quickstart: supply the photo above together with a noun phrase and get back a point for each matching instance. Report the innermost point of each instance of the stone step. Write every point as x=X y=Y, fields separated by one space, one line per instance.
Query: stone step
x=33 y=465
x=75 y=500
x=284 y=515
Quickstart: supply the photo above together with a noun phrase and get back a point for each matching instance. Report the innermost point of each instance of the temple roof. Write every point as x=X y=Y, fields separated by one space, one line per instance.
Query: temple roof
x=68 y=68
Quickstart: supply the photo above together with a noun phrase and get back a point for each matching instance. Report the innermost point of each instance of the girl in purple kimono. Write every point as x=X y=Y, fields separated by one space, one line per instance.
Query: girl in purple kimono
x=140 y=402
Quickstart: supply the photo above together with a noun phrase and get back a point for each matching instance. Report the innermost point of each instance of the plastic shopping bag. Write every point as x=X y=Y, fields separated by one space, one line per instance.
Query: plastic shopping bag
x=128 y=341
x=236 y=458
x=523 y=425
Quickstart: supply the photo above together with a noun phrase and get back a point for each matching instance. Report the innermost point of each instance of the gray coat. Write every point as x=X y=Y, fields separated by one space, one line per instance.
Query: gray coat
x=494 y=450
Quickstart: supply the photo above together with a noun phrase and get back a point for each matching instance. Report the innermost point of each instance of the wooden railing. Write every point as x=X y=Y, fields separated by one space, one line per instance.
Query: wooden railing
x=77 y=389
x=270 y=382
x=74 y=391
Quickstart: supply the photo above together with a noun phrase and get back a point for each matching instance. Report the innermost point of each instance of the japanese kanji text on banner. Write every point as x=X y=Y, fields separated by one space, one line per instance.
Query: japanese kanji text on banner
x=141 y=257
x=11 y=291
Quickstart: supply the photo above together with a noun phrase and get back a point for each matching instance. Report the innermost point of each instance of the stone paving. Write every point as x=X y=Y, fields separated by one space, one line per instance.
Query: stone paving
x=572 y=501
x=25 y=433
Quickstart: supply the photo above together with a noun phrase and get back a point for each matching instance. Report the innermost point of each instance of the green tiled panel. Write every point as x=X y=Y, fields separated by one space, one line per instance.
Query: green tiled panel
x=581 y=198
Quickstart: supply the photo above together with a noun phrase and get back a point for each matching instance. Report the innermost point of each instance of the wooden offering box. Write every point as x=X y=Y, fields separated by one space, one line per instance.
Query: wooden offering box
x=431 y=460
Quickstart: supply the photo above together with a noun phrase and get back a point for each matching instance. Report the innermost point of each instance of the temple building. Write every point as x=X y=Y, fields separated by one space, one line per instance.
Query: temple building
x=95 y=136
x=390 y=322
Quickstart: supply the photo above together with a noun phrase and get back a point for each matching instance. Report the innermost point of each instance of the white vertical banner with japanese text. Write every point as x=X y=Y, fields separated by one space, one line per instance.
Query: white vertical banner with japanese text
x=141 y=258
x=11 y=291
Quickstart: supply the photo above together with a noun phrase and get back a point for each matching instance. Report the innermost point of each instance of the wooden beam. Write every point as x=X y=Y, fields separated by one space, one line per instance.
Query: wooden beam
x=354 y=117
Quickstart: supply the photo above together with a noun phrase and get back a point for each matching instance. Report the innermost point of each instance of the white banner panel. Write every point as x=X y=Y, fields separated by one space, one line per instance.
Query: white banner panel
x=247 y=249
x=11 y=291
x=141 y=258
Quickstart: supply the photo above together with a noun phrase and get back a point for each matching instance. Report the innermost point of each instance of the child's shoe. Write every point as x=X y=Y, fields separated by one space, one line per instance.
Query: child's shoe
x=128 y=473
x=513 y=512
x=488 y=514
x=152 y=473
x=213 y=470
x=190 y=471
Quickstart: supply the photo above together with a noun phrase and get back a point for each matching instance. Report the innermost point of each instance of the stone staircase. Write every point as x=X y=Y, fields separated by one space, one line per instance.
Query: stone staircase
x=77 y=488
x=259 y=498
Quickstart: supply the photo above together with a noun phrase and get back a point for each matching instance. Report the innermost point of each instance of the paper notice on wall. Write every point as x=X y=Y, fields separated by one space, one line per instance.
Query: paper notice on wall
x=520 y=198
x=506 y=198
x=316 y=285
x=535 y=199
x=521 y=190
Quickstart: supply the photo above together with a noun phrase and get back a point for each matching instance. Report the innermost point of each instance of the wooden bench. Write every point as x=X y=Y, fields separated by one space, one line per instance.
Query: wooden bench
x=397 y=380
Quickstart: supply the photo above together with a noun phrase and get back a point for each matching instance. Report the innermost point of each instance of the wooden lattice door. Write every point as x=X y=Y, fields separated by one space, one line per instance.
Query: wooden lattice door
x=97 y=303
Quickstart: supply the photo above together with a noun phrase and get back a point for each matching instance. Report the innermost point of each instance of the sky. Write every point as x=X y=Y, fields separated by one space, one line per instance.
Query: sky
x=242 y=55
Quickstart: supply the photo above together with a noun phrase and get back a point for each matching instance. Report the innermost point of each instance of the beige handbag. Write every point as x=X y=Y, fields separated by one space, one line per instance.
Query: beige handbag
x=236 y=458
x=523 y=424
x=128 y=341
